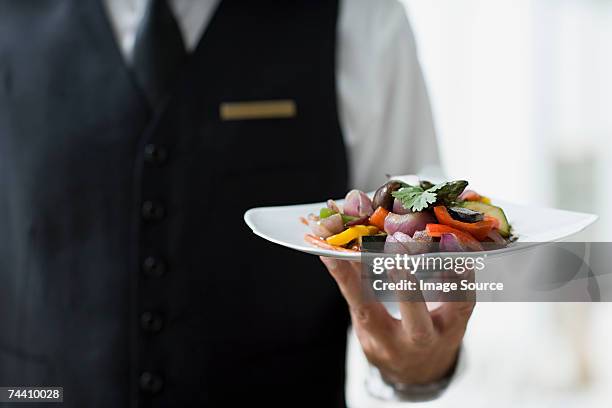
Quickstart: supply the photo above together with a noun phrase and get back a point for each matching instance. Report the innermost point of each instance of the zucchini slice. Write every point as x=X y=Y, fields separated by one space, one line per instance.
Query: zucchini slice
x=493 y=211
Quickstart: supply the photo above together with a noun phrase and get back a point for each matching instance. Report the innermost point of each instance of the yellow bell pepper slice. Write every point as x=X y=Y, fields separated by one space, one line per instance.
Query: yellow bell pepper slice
x=485 y=200
x=350 y=234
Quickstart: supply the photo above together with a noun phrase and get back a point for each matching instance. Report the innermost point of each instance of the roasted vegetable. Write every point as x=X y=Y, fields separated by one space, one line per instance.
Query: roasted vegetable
x=491 y=211
x=466 y=240
x=406 y=215
x=372 y=243
x=351 y=234
x=398 y=243
x=327 y=212
x=383 y=196
x=358 y=204
x=398 y=208
x=450 y=243
x=465 y=214
x=471 y=195
x=408 y=223
x=373 y=239
x=479 y=229
x=425 y=185
x=357 y=221
x=326 y=227
x=378 y=218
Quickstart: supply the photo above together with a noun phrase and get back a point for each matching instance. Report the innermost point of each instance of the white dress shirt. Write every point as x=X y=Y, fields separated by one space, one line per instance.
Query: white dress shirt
x=384 y=109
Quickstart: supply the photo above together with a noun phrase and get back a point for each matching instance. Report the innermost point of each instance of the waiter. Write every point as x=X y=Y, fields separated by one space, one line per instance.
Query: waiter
x=133 y=136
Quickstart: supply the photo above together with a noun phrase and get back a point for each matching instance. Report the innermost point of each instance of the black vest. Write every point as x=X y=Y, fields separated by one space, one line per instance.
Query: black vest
x=127 y=274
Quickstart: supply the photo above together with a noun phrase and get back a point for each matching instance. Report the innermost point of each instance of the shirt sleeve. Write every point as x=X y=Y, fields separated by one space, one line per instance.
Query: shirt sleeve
x=377 y=387
x=384 y=107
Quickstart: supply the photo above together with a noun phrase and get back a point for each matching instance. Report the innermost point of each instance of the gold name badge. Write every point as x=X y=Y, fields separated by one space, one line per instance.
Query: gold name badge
x=277 y=109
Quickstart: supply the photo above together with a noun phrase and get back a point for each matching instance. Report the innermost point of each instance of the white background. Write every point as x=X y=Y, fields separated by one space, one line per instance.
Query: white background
x=522 y=97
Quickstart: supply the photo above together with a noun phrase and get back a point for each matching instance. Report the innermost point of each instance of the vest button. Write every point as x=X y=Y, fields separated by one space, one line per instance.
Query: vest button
x=151 y=322
x=152 y=211
x=152 y=266
x=154 y=154
x=151 y=383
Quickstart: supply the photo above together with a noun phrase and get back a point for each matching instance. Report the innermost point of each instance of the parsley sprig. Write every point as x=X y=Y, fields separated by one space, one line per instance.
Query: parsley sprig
x=417 y=198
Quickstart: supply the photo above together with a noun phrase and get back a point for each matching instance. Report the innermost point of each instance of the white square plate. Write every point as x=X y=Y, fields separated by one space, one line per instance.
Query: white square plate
x=282 y=226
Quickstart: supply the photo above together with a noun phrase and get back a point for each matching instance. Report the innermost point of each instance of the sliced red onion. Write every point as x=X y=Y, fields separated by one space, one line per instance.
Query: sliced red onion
x=497 y=238
x=400 y=243
x=422 y=243
x=326 y=227
x=332 y=205
x=408 y=223
x=450 y=243
x=358 y=204
x=394 y=246
x=402 y=238
x=319 y=230
x=398 y=208
x=422 y=236
x=333 y=224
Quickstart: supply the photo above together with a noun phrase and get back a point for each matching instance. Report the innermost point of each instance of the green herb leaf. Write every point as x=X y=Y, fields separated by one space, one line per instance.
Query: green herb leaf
x=415 y=198
x=449 y=192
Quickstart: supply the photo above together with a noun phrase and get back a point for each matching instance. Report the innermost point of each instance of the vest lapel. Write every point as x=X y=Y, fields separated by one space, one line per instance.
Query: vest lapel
x=98 y=26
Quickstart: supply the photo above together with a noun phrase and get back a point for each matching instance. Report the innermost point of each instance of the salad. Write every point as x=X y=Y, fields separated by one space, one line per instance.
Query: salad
x=411 y=219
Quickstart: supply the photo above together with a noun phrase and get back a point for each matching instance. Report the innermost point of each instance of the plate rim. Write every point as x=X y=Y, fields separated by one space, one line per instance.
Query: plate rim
x=589 y=219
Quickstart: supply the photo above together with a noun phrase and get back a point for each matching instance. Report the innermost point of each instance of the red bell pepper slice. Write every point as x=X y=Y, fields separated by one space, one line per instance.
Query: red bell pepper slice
x=478 y=230
x=437 y=230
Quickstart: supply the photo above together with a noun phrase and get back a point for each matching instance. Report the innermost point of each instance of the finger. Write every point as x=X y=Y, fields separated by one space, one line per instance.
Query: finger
x=416 y=320
x=454 y=316
x=367 y=314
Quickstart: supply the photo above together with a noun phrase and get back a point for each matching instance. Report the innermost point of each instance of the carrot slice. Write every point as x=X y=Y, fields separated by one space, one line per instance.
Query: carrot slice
x=378 y=218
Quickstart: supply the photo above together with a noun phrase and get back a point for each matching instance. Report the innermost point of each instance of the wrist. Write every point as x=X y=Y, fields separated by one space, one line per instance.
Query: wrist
x=428 y=370
x=384 y=389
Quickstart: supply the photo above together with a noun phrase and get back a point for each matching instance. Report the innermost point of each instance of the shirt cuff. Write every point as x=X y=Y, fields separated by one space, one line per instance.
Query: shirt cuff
x=379 y=388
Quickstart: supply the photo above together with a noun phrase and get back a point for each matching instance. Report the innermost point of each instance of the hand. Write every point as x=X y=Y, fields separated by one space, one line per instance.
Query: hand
x=421 y=348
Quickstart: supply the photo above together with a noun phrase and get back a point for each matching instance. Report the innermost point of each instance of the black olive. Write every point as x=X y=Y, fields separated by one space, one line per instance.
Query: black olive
x=426 y=185
x=465 y=215
x=383 y=197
